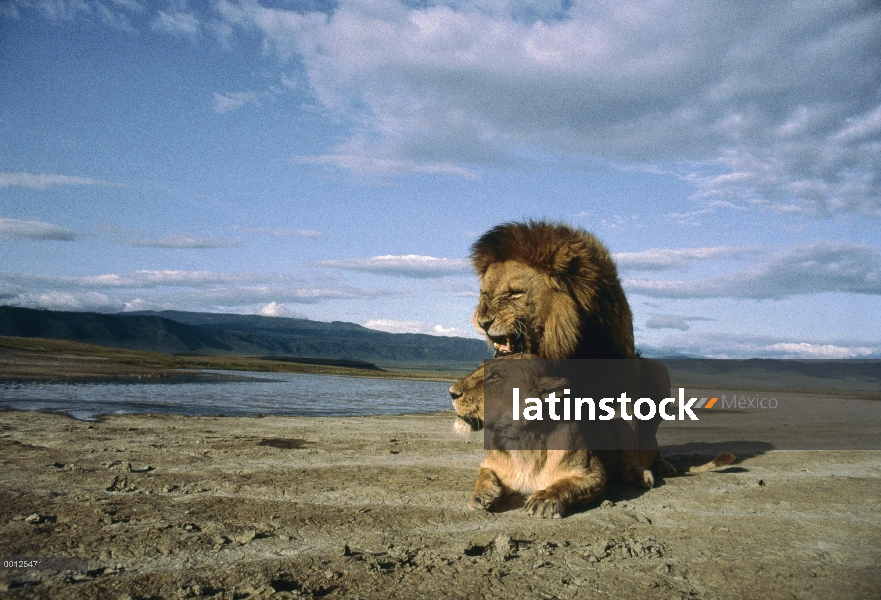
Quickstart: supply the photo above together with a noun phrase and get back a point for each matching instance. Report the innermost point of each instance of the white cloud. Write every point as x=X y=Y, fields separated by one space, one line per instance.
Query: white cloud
x=274 y=309
x=173 y=278
x=74 y=301
x=13 y=229
x=141 y=304
x=116 y=13
x=805 y=269
x=806 y=350
x=355 y=159
x=667 y=322
x=45 y=181
x=226 y=102
x=672 y=322
x=393 y=326
x=775 y=106
x=720 y=345
x=183 y=241
x=160 y=289
x=409 y=265
x=281 y=232
x=708 y=207
x=658 y=259
x=9 y=291
x=458 y=286
x=176 y=23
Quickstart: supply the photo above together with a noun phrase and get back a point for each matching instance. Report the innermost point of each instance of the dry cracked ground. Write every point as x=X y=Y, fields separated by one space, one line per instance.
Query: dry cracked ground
x=171 y=507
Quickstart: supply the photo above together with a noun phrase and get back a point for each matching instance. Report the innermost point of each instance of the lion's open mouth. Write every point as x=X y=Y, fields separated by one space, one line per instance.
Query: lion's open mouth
x=473 y=422
x=508 y=345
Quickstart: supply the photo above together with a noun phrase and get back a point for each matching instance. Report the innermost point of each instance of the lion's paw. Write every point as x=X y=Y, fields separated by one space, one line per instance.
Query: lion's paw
x=646 y=479
x=664 y=469
x=544 y=505
x=484 y=501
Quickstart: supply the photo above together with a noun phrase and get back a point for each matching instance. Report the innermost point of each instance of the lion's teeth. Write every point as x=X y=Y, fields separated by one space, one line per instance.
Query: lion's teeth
x=497 y=345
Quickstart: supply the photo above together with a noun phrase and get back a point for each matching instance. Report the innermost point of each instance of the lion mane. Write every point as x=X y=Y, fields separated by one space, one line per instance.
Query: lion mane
x=579 y=312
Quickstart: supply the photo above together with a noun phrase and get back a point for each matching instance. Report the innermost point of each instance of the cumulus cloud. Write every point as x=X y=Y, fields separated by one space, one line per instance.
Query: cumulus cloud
x=13 y=229
x=141 y=304
x=807 y=350
x=804 y=269
x=183 y=241
x=659 y=259
x=274 y=309
x=393 y=326
x=774 y=106
x=408 y=265
x=45 y=181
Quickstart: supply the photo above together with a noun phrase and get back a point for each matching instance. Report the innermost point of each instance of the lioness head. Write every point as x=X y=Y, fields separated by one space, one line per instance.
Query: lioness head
x=550 y=290
x=468 y=395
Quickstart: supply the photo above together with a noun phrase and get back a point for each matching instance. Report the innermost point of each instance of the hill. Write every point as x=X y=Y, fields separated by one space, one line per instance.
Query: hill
x=177 y=332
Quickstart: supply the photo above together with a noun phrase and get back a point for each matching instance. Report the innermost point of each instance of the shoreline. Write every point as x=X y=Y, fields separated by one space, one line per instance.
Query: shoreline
x=35 y=359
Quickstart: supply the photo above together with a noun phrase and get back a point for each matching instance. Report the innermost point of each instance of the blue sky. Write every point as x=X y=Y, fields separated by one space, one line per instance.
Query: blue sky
x=336 y=160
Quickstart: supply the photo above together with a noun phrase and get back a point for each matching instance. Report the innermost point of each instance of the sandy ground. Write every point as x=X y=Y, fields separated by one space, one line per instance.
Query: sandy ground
x=171 y=507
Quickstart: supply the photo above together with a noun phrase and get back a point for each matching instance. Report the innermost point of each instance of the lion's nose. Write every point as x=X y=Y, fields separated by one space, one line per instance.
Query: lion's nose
x=454 y=393
x=485 y=323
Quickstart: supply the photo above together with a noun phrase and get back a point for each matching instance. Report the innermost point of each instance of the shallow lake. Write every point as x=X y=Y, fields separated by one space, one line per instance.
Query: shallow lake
x=294 y=394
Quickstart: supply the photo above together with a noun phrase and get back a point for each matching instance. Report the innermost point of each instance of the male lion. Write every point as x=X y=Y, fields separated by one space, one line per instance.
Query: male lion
x=551 y=290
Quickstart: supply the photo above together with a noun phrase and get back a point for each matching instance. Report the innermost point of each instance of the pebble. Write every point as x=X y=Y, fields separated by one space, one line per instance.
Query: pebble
x=246 y=537
x=503 y=548
x=37 y=519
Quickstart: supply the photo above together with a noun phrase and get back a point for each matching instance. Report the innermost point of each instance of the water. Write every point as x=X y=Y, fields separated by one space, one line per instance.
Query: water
x=293 y=394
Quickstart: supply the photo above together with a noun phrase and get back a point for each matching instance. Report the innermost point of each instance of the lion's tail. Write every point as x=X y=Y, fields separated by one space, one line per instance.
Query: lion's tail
x=722 y=460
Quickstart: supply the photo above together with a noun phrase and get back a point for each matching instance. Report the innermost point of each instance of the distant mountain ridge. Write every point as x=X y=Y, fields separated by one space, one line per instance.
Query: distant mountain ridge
x=177 y=332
